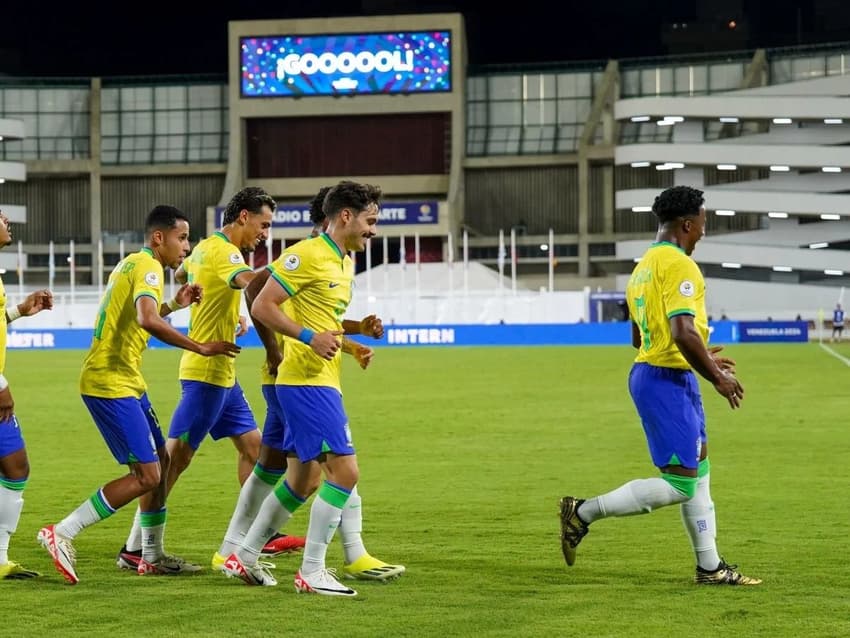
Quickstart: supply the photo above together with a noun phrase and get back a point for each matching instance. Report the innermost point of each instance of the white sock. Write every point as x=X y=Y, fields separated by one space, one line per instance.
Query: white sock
x=271 y=517
x=11 y=504
x=153 y=534
x=134 y=540
x=351 y=528
x=91 y=511
x=251 y=497
x=324 y=520
x=640 y=496
x=701 y=526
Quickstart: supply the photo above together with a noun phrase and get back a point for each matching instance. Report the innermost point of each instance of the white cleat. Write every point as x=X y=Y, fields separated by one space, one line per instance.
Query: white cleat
x=321 y=582
x=257 y=574
x=167 y=566
x=61 y=551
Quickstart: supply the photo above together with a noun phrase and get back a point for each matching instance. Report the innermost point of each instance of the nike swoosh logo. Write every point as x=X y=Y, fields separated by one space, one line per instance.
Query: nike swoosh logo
x=333 y=285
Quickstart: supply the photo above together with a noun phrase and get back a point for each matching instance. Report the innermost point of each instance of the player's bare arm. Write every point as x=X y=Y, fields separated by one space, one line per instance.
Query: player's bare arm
x=185 y=296
x=362 y=354
x=181 y=276
x=370 y=326
x=266 y=310
x=147 y=314
x=691 y=345
x=274 y=356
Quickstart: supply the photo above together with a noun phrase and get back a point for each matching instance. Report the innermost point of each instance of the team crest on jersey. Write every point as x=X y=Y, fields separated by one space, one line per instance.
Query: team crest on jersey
x=291 y=262
x=152 y=279
x=235 y=258
x=686 y=288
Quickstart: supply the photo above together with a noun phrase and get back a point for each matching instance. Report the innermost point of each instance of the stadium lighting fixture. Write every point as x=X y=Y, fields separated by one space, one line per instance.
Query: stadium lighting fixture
x=674 y=118
x=779 y=168
x=665 y=122
x=669 y=166
x=830 y=217
x=831 y=169
x=725 y=213
x=544 y=247
x=637 y=259
x=782 y=120
x=2 y=180
x=641 y=209
x=639 y=164
x=833 y=120
x=727 y=167
x=2 y=271
x=640 y=118
x=730 y=264
x=782 y=268
x=729 y=120
x=776 y=215
x=835 y=273
x=819 y=244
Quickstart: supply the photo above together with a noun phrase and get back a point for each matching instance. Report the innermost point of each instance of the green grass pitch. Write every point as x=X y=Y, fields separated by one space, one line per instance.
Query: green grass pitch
x=464 y=454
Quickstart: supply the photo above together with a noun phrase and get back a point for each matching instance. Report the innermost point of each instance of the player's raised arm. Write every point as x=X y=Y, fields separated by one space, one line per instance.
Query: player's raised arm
x=147 y=314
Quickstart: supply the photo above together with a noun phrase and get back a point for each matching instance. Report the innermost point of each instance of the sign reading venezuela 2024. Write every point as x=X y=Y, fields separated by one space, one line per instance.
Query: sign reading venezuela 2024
x=345 y=64
x=413 y=213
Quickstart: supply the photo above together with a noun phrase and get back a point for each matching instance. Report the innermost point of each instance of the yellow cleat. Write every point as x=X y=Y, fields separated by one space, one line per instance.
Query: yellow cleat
x=218 y=562
x=14 y=571
x=725 y=574
x=370 y=568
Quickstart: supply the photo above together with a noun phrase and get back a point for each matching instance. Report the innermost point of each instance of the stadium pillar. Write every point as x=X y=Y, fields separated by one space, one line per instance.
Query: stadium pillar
x=95 y=176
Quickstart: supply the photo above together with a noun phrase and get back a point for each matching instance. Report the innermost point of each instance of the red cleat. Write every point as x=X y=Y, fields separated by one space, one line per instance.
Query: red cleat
x=283 y=544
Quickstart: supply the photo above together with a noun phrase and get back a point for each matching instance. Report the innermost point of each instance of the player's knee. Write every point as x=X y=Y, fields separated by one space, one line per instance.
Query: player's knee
x=686 y=486
x=148 y=477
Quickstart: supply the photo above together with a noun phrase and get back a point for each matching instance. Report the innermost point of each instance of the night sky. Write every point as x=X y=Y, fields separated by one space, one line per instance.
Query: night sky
x=85 y=39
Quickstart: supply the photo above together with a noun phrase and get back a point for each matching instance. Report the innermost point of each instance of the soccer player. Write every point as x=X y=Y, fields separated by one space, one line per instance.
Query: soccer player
x=316 y=277
x=666 y=297
x=212 y=402
x=272 y=460
x=114 y=392
x=14 y=464
x=837 y=322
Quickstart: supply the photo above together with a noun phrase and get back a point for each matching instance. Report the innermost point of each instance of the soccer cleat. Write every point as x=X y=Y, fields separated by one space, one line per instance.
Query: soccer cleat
x=283 y=544
x=218 y=562
x=573 y=529
x=14 y=571
x=725 y=574
x=257 y=574
x=370 y=568
x=128 y=559
x=61 y=551
x=321 y=582
x=167 y=566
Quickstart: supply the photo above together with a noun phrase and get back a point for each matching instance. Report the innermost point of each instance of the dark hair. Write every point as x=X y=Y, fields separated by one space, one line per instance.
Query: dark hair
x=678 y=201
x=352 y=195
x=252 y=199
x=317 y=215
x=163 y=218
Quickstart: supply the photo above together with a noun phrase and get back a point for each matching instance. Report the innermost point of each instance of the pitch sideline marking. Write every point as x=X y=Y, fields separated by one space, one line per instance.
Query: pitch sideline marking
x=841 y=358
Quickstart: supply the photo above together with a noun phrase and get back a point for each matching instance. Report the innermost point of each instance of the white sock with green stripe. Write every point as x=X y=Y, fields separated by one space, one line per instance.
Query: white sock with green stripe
x=153 y=533
x=276 y=510
x=259 y=485
x=11 y=504
x=640 y=496
x=325 y=515
x=699 y=520
x=351 y=528
x=134 y=540
x=91 y=511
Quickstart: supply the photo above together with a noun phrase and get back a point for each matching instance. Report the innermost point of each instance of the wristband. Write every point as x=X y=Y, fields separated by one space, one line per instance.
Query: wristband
x=306 y=336
x=3 y=383
x=173 y=305
x=13 y=313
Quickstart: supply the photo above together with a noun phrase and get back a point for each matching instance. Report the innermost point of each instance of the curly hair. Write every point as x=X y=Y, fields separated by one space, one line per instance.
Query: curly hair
x=317 y=215
x=351 y=195
x=678 y=201
x=252 y=199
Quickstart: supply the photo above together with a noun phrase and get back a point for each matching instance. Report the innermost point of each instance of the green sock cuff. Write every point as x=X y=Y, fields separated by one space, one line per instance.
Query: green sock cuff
x=333 y=494
x=287 y=498
x=703 y=468
x=152 y=519
x=101 y=505
x=687 y=485
x=16 y=485
x=269 y=477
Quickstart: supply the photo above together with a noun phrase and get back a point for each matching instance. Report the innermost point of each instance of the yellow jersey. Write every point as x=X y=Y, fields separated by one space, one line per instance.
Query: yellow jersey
x=666 y=282
x=319 y=279
x=3 y=327
x=214 y=263
x=112 y=367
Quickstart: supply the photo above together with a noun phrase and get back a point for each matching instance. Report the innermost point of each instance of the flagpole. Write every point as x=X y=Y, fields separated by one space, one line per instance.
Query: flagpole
x=465 y=262
x=551 y=260
x=120 y=250
x=51 y=265
x=73 y=274
x=500 y=260
x=513 y=260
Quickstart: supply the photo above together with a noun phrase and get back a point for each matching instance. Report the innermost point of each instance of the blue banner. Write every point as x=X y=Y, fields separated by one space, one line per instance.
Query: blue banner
x=755 y=331
x=392 y=213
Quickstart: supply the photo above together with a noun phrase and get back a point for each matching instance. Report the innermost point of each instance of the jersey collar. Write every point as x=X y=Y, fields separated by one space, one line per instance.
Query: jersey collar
x=667 y=243
x=221 y=235
x=330 y=242
x=147 y=250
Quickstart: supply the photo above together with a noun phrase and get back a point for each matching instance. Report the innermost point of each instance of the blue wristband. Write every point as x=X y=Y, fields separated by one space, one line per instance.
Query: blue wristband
x=306 y=336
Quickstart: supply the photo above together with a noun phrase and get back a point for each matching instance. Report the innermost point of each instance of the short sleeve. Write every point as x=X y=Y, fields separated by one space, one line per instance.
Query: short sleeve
x=147 y=279
x=229 y=263
x=292 y=269
x=681 y=287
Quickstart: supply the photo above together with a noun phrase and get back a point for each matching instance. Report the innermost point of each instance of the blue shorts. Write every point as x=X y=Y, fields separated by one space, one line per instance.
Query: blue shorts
x=11 y=439
x=315 y=420
x=205 y=408
x=274 y=429
x=129 y=426
x=670 y=408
